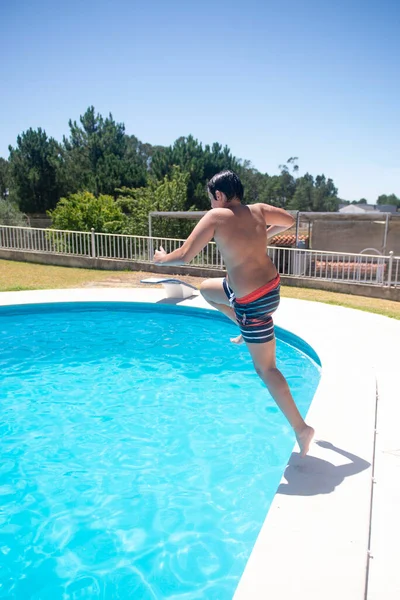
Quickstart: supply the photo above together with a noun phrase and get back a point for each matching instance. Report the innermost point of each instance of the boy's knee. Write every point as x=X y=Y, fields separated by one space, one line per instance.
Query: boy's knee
x=265 y=372
x=204 y=287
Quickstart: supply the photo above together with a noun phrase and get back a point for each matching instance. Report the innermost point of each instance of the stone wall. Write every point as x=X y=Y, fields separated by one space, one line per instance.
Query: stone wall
x=40 y=221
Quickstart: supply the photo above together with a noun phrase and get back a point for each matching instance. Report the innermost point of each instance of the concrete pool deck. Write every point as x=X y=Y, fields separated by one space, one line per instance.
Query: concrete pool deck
x=333 y=528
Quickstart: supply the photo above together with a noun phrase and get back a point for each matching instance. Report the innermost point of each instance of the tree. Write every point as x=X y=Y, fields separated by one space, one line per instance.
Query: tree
x=314 y=195
x=303 y=197
x=144 y=151
x=291 y=162
x=200 y=163
x=279 y=189
x=325 y=195
x=5 y=177
x=170 y=194
x=254 y=182
x=37 y=171
x=82 y=211
x=391 y=199
x=361 y=201
x=101 y=158
x=98 y=157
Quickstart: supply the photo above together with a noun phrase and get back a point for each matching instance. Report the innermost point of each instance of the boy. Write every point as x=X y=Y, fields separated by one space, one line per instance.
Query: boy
x=250 y=292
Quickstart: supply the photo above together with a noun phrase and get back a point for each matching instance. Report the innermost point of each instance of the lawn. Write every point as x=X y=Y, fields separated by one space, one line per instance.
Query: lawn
x=15 y=276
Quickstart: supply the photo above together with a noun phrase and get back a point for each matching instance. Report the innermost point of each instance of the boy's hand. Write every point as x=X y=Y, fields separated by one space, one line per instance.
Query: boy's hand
x=159 y=255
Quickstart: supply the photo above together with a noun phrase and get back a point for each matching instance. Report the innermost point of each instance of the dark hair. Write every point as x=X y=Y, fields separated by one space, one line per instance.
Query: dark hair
x=228 y=183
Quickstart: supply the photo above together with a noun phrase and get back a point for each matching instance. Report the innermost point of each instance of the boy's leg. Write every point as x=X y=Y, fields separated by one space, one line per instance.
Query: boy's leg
x=212 y=290
x=263 y=356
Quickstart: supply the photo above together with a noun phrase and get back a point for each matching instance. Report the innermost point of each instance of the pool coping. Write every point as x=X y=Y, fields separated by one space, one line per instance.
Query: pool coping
x=327 y=520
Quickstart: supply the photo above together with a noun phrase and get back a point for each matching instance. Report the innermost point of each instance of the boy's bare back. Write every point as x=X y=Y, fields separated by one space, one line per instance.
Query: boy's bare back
x=241 y=236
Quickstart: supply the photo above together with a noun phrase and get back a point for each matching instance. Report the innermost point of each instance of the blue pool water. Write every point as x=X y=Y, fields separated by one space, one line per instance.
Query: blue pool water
x=139 y=451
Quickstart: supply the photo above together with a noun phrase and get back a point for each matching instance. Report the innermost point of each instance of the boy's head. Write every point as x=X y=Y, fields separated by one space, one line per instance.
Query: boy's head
x=228 y=183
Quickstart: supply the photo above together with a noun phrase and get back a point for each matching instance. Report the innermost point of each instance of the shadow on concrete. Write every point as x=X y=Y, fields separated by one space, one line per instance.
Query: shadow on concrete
x=175 y=301
x=311 y=476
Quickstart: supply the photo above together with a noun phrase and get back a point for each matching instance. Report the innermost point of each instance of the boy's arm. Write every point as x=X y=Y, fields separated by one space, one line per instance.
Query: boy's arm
x=273 y=230
x=200 y=236
x=278 y=219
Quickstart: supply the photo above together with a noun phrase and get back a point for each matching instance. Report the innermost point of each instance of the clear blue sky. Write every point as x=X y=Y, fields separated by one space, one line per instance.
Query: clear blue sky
x=317 y=79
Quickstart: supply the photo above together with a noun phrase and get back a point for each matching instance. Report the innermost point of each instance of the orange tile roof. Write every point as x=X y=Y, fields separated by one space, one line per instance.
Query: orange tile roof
x=287 y=240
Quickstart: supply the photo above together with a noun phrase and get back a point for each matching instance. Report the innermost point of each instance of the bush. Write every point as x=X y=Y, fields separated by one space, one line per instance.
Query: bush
x=82 y=211
x=170 y=194
x=11 y=215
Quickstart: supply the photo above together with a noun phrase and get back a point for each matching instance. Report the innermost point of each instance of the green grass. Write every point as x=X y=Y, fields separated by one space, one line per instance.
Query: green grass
x=388 y=308
x=18 y=276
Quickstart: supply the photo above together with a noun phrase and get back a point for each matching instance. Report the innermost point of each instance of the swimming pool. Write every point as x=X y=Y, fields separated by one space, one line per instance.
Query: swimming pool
x=140 y=451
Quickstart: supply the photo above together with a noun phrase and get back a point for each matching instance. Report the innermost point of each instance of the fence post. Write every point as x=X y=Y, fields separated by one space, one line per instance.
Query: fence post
x=297 y=228
x=389 y=277
x=93 y=243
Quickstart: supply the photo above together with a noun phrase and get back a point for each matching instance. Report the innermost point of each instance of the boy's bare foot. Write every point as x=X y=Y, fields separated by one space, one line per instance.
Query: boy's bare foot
x=304 y=439
x=237 y=340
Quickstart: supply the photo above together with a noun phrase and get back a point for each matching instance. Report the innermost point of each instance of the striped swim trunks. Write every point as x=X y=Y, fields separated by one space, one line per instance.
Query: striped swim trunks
x=253 y=312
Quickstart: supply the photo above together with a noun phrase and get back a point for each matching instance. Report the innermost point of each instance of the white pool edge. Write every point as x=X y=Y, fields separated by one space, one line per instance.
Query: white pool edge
x=316 y=546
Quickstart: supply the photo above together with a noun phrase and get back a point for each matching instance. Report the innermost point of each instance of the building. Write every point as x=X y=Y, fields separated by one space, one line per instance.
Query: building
x=360 y=209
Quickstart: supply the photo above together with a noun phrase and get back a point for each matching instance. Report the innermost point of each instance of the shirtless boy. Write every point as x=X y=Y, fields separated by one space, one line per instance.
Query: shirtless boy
x=250 y=292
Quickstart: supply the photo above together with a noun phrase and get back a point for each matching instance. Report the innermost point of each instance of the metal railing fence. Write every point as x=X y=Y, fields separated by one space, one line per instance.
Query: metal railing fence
x=337 y=266
x=292 y=262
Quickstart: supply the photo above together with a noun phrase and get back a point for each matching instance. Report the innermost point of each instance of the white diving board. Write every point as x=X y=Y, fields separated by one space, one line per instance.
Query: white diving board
x=174 y=288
